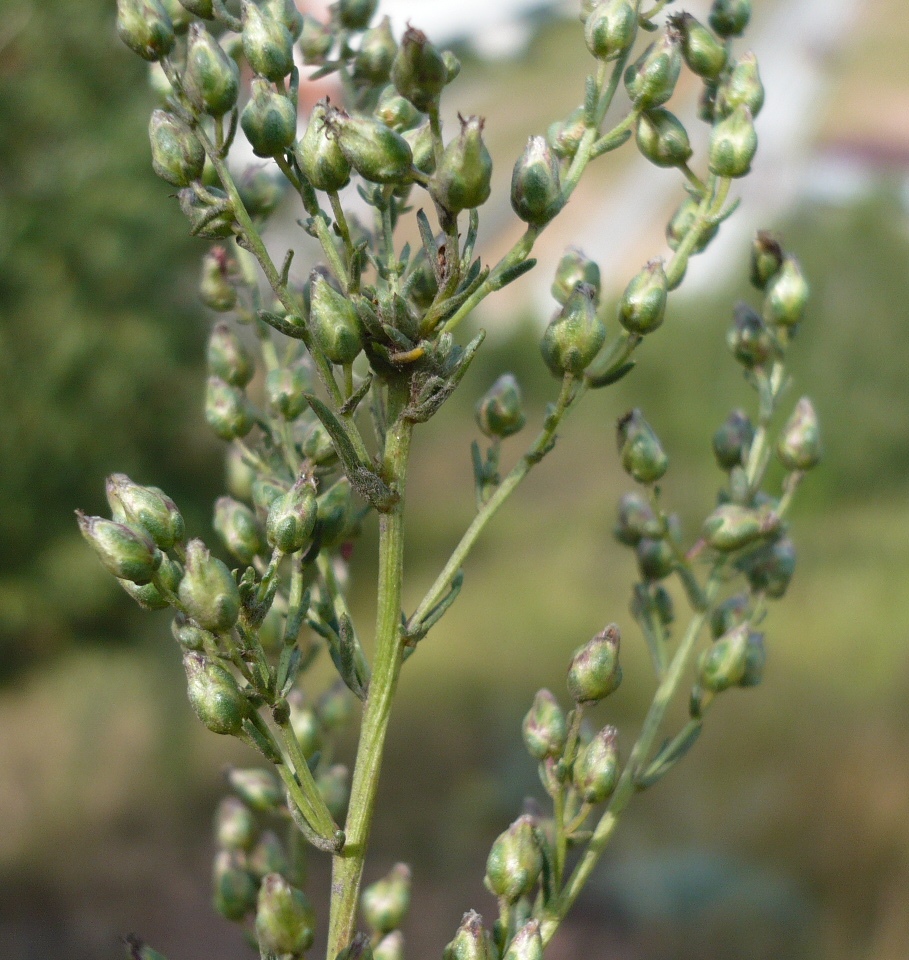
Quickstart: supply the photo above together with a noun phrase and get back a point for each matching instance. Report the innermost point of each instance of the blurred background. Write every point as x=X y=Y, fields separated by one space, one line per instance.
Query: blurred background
x=786 y=832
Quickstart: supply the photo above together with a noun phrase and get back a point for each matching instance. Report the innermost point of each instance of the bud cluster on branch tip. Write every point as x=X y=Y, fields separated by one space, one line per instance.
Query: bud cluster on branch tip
x=636 y=520
x=499 y=411
x=269 y=120
x=596 y=769
x=515 y=861
x=126 y=552
x=799 y=447
x=643 y=304
x=149 y=508
x=464 y=175
x=574 y=335
x=651 y=79
x=733 y=144
x=145 y=27
x=730 y=17
x=732 y=440
x=292 y=517
x=595 y=671
x=215 y=695
x=544 y=728
x=610 y=28
x=319 y=154
x=177 y=155
x=750 y=339
x=208 y=590
x=731 y=526
x=536 y=189
x=257 y=788
x=575 y=268
x=385 y=902
x=235 y=888
x=212 y=78
x=238 y=528
x=471 y=942
x=267 y=43
x=642 y=455
x=378 y=153
x=285 y=920
x=235 y=826
x=786 y=294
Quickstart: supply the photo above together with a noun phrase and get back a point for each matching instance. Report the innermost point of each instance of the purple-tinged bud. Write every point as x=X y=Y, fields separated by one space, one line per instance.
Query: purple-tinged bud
x=749 y=338
x=682 y=222
x=731 y=527
x=234 y=887
x=199 y=8
x=177 y=155
x=235 y=826
x=766 y=258
x=228 y=358
x=390 y=947
x=372 y=64
x=462 y=179
x=786 y=294
x=636 y=520
x=515 y=861
x=574 y=336
x=650 y=80
x=334 y=788
x=334 y=322
x=536 y=190
x=215 y=289
x=722 y=665
x=375 y=151
x=419 y=72
x=211 y=78
x=499 y=412
x=258 y=788
x=527 y=943
x=643 y=304
x=355 y=14
x=642 y=455
x=595 y=671
x=544 y=727
x=226 y=410
x=596 y=769
x=292 y=517
x=730 y=17
x=285 y=12
x=145 y=27
x=267 y=43
x=770 y=568
x=662 y=139
x=268 y=120
x=319 y=154
x=385 y=902
x=743 y=88
x=214 y=695
x=315 y=40
x=575 y=268
x=656 y=559
x=267 y=856
x=733 y=439
x=610 y=28
x=127 y=553
x=147 y=595
x=146 y=507
x=701 y=50
x=208 y=590
x=471 y=942
x=396 y=112
x=284 y=389
x=799 y=447
x=733 y=144
x=285 y=920
x=238 y=528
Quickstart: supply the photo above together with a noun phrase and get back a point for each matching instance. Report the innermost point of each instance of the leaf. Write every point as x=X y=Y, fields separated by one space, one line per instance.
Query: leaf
x=610 y=376
x=510 y=274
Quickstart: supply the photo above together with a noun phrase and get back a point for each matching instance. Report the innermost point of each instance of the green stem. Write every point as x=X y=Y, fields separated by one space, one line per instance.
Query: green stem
x=315 y=810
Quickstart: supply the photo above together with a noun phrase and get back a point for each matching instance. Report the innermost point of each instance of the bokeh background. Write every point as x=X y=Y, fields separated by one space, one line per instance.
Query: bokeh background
x=785 y=834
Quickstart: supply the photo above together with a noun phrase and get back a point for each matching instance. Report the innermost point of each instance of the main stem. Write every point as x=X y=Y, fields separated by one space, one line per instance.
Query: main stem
x=347 y=869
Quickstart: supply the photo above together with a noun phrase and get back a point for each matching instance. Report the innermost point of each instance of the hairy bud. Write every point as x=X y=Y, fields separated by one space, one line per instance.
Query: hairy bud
x=515 y=861
x=238 y=528
x=372 y=64
x=462 y=179
x=786 y=294
x=766 y=258
x=212 y=78
x=610 y=28
x=702 y=52
x=596 y=769
x=575 y=268
x=733 y=144
x=267 y=43
x=499 y=412
x=800 y=443
x=292 y=517
x=319 y=153
x=284 y=389
x=419 y=72
x=650 y=80
x=574 y=336
x=214 y=695
x=749 y=338
x=643 y=304
x=642 y=455
x=145 y=27
x=127 y=553
x=235 y=826
x=544 y=727
x=228 y=358
x=375 y=151
x=257 y=788
x=208 y=590
x=722 y=665
x=662 y=139
x=731 y=527
x=268 y=120
x=730 y=17
x=385 y=902
x=355 y=14
x=226 y=410
x=595 y=671
x=536 y=190
x=234 y=887
x=315 y=40
x=177 y=155
x=285 y=920
x=732 y=440
x=743 y=88
x=146 y=507
x=334 y=322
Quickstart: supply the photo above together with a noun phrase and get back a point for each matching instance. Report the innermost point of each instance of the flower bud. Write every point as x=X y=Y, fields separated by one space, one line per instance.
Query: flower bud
x=799 y=447
x=375 y=151
x=396 y=112
x=315 y=40
x=334 y=514
x=636 y=520
x=127 y=553
x=208 y=590
x=471 y=942
x=268 y=120
x=419 y=139
x=656 y=559
x=575 y=335
x=662 y=139
x=180 y=17
x=239 y=474
x=234 y=887
x=733 y=144
x=527 y=944
x=650 y=80
x=188 y=635
x=643 y=304
x=731 y=527
x=730 y=17
x=536 y=190
x=267 y=856
x=228 y=358
x=702 y=52
x=284 y=389
x=730 y=613
x=419 y=72
x=147 y=595
x=544 y=727
x=237 y=527
x=212 y=78
x=267 y=44
x=611 y=28
x=372 y=64
x=786 y=294
x=258 y=788
x=292 y=517
x=515 y=861
x=766 y=258
x=215 y=289
x=386 y=901
x=285 y=12
x=574 y=268
x=319 y=154
x=146 y=507
x=462 y=180
x=743 y=88
x=261 y=190
x=355 y=14
x=390 y=947
x=499 y=412
x=235 y=826
x=594 y=671
x=334 y=788
x=564 y=136
x=214 y=695
x=681 y=223
x=305 y=725
x=226 y=410
x=199 y=8
x=733 y=439
x=452 y=66
x=722 y=665
x=199 y=213
x=334 y=322
x=770 y=568
x=642 y=455
x=755 y=661
x=749 y=338
x=145 y=27
x=596 y=769
x=177 y=155
x=285 y=920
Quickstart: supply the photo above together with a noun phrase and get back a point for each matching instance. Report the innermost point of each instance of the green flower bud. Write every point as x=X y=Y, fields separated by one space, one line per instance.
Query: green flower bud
x=799 y=447
x=285 y=920
x=452 y=66
x=656 y=559
x=258 y=788
x=146 y=507
x=315 y=40
x=265 y=492
x=722 y=665
x=770 y=568
x=471 y=942
x=787 y=293
x=284 y=389
x=239 y=474
x=375 y=151
x=594 y=671
x=642 y=455
x=199 y=214
x=731 y=527
x=749 y=338
x=596 y=770
x=208 y=590
x=643 y=304
x=267 y=44
x=564 y=136
x=390 y=947
x=355 y=14
x=611 y=28
x=214 y=695
x=334 y=514
x=212 y=78
x=681 y=223
x=702 y=52
x=636 y=520
x=228 y=358
x=499 y=412
x=267 y=856
x=180 y=17
x=544 y=727
x=215 y=289
x=730 y=613
x=261 y=191
x=527 y=943
x=305 y=725
x=292 y=517
x=733 y=144
x=385 y=902
x=536 y=190
x=238 y=528
x=358 y=949
x=226 y=410
x=766 y=258
x=188 y=635
x=235 y=826
x=145 y=27
x=574 y=336
x=651 y=79
x=419 y=71
x=419 y=139
x=127 y=553
x=334 y=788
x=730 y=17
x=743 y=88
x=319 y=153
x=334 y=322
x=268 y=120
x=515 y=861
x=462 y=180
x=755 y=661
x=662 y=139
x=177 y=155
x=286 y=12
x=575 y=268
x=733 y=439
x=199 y=8
x=234 y=887
x=147 y=595
x=372 y=64
x=396 y=112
